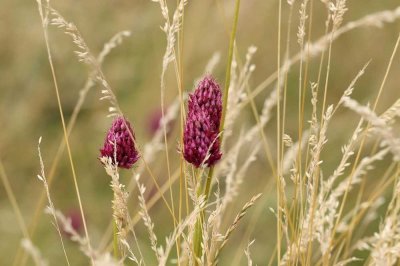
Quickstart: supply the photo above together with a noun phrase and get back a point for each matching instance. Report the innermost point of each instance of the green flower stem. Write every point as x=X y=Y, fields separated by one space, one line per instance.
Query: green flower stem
x=115 y=241
x=198 y=238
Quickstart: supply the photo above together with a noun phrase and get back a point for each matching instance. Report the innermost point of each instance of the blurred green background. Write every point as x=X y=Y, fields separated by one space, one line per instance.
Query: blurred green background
x=28 y=106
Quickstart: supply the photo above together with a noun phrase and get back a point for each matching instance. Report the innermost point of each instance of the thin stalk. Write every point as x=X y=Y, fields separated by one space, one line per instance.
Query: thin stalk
x=228 y=68
x=164 y=128
x=178 y=65
x=13 y=201
x=278 y=135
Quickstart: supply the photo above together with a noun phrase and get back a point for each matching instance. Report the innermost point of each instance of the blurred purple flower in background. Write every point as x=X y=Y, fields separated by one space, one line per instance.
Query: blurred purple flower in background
x=74 y=216
x=154 y=122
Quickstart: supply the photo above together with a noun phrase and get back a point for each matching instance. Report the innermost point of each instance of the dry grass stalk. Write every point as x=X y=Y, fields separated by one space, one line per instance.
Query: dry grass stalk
x=379 y=126
x=50 y=208
x=234 y=225
x=179 y=230
x=384 y=244
x=34 y=252
x=85 y=55
x=147 y=219
x=99 y=259
x=238 y=82
x=247 y=253
x=119 y=202
x=391 y=113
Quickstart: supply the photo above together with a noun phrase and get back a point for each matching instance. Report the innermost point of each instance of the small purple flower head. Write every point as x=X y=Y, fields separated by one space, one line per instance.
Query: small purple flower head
x=75 y=219
x=154 y=121
x=200 y=138
x=120 y=136
x=209 y=97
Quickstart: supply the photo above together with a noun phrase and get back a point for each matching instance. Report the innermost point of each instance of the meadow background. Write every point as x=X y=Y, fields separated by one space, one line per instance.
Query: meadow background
x=28 y=107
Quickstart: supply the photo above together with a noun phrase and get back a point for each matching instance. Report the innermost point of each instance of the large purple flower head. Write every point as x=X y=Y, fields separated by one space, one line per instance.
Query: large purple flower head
x=120 y=136
x=200 y=139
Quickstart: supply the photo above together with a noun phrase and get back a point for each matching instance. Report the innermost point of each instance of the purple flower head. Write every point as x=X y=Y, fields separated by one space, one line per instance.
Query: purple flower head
x=120 y=136
x=200 y=139
x=209 y=98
